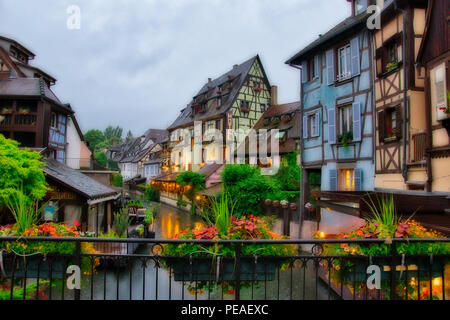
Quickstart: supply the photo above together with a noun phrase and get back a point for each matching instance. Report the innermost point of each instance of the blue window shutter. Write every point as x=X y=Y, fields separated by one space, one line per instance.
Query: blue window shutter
x=318 y=124
x=317 y=65
x=304 y=71
x=331 y=126
x=354 y=48
x=333 y=180
x=358 y=179
x=305 y=127
x=357 y=132
x=330 y=67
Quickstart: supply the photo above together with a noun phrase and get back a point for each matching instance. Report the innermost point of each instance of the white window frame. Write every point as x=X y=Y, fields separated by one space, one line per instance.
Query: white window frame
x=349 y=117
x=345 y=70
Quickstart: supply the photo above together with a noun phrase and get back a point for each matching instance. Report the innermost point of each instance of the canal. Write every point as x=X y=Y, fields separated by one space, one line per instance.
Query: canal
x=144 y=281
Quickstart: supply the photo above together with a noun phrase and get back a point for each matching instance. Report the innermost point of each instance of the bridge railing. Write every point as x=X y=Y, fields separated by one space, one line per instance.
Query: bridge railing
x=313 y=272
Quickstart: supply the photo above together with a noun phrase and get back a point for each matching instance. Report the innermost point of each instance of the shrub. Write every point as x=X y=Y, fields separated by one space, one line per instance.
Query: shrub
x=194 y=182
x=152 y=193
x=117 y=180
x=121 y=223
x=20 y=168
x=288 y=175
x=247 y=188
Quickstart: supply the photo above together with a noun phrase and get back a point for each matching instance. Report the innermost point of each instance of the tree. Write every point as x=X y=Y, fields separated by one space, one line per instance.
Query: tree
x=288 y=175
x=94 y=137
x=20 y=171
x=113 y=133
x=129 y=136
x=194 y=182
x=247 y=188
x=101 y=158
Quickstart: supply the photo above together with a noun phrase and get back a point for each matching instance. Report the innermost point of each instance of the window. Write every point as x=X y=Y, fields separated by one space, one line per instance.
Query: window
x=312 y=70
x=312 y=125
x=439 y=91
x=245 y=105
x=54 y=120
x=389 y=55
x=263 y=107
x=389 y=124
x=281 y=136
x=219 y=101
x=344 y=63
x=360 y=6
x=347 y=180
x=345 y=119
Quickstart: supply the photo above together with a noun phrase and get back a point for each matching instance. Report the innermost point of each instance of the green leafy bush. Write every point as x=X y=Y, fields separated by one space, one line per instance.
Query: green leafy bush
x=20 y=168
x=152 y=193
x=288 y=176
x=117 y=180
x=121 y=222
x=193 y=182
x=247 y=188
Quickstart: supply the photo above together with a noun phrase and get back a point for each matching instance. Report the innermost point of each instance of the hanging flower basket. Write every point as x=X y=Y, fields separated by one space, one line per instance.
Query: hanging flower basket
x=268 y=202
x=35 y=266
x=293 y=206
x=197 y=269
x=276 y=203
x=284 y=204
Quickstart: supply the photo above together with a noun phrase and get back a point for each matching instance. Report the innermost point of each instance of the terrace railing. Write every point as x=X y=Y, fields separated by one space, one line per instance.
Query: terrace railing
x=310 y=274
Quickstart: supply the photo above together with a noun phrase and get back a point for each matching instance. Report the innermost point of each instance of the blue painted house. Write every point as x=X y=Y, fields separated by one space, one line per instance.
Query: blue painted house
x=337 y=149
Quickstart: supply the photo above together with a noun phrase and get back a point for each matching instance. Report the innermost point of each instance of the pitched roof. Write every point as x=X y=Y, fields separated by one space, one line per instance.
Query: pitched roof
x=236 y=76
x=33 y=87
x=77 y=181
x=331 y=36
x=135 y=150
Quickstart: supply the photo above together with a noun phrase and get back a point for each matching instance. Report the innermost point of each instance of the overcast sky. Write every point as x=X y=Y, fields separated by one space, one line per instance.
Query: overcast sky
x=136 y=63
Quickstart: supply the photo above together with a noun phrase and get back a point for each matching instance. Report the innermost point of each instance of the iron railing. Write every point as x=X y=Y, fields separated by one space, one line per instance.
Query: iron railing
x=150 y=275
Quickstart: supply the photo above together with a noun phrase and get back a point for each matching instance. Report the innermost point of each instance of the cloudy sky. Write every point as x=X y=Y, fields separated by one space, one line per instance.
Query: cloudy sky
x=137 y=63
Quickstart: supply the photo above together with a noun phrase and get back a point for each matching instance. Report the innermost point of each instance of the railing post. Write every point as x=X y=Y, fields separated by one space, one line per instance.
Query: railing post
x=77 y=293
x=393 y=252
x=286 y=222
x=238 y=272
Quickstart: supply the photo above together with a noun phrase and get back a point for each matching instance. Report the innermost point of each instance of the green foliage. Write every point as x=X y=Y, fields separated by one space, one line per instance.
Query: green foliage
x=221 y=212
x=152 y=193
x=149 y=215
x=385 y=215
x=29 y=291
x=290 y=196
x=247 y=188
x=288 y=176
x=20 y=168
x=100 y=156
x=113 y=133
x=117 y=180
x=26 y=213
x=181 y=202
x=195 y=183
x=345 y=138
x=109 y=235
x=121 y=222
x=94 y=137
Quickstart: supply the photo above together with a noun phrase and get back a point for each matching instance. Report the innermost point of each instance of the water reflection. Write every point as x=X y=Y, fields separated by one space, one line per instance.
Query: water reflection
x=171 y=221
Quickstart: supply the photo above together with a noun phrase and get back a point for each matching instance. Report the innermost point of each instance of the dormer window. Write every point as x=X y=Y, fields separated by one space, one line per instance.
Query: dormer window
x=359 y=6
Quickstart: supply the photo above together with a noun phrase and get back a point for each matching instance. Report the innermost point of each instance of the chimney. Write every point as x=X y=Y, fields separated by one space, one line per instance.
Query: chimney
x=209 y=80
x=274 y=95
x=235 y=66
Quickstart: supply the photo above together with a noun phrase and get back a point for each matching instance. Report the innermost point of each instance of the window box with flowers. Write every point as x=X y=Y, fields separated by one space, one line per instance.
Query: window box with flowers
x=346 y=138
x=202 y=264
x=6 y=111
x=350 y=268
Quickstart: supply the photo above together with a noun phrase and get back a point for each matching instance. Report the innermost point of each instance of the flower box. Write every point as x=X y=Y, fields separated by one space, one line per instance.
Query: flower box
x=36 y=266
x=205 y=270
x=416 y=267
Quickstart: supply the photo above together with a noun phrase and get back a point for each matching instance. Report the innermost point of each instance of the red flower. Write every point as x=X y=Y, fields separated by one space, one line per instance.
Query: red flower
x=76 y=223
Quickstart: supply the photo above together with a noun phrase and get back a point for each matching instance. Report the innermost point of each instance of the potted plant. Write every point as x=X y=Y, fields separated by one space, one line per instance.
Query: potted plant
x=23 y=110
x=276 y=203
x=287 y=118
x=346 y=138
x=284 y=204
x=385 y=224
x=391 y=66
x=7 y=110
x=293 y=206
x=268 y=202
x=216 y=262
x=276 y=120
x=266 y=121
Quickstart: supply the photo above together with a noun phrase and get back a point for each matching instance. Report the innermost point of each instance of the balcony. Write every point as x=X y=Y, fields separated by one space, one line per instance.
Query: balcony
x=18 y=120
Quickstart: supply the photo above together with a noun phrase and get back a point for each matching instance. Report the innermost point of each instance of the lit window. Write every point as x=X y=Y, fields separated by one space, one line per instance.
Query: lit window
x=347 y=180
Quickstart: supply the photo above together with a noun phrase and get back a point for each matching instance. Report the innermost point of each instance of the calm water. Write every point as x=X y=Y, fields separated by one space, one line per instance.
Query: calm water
x=140 y=280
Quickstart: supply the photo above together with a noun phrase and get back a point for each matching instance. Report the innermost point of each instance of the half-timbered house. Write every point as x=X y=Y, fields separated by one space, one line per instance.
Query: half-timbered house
x=434 y=55
x=236 y=100
x=337 y=117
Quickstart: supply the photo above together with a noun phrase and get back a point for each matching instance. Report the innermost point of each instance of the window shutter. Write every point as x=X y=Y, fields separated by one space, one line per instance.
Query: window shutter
x=381 y=126
x=354 y=49
x=398 y=120
x=305 y=127
x=304 y=71
x=358 y=179
x=318 y=123
x=333 y=180
x=317 y=65
x=331 y=126
x=330 y=66
x=357 y=134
